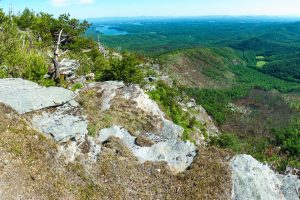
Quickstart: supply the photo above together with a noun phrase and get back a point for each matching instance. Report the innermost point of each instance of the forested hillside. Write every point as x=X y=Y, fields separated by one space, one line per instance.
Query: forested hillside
x=277 y=41
x=256 y=112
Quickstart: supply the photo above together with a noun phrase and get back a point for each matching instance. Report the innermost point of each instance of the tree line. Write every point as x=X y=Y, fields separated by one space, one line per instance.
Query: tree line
x=32 y=43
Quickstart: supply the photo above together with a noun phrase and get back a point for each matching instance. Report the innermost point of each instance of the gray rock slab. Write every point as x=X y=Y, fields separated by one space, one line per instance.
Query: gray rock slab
x=60 y=125
x=25 y=96
x=291 y=187
x=253 y=180
x=177 y=154
x=171 y=131
x=109 y=90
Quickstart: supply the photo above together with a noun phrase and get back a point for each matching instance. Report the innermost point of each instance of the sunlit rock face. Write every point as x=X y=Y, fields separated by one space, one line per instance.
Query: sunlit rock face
x=177 y=154
x=254 y=180
x=25 y=96
x=55 y=112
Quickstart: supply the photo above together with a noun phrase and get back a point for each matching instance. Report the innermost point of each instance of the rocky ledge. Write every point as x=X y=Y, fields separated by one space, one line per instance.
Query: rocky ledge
x=138 y=123
x=55 y=112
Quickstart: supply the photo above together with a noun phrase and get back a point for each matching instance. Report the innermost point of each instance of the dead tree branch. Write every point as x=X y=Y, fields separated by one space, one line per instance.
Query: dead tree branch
x=56 y=54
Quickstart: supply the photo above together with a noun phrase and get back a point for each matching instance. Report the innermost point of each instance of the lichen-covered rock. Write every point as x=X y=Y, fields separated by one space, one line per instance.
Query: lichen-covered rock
x=254 y=180
x=61 y=124
x=177 y=154
x=25 y=96
x=290 y=186
x=171 y=131
x=108 y=90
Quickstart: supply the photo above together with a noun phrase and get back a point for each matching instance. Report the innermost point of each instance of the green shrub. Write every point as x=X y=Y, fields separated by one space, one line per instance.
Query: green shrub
x=227 y=141
x=289 y=139
x=126 y=69
x=34 y=67
x=47 y=82
x=167 y=97
x=3 y=74
x=99 y=66
x=85 y=63
x=76 y=86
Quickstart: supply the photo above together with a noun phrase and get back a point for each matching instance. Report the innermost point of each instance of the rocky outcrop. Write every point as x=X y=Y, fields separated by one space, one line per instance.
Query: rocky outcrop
x=254 y=180
x=179 y=155
x=54 y=112
x=290 y=186
x=69 y=67
x=112 y=92
x=108 y=90
x=169 y=130
x=25 y=96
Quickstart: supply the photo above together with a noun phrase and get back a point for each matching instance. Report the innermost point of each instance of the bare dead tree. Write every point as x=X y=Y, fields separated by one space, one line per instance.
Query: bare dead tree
x=57 y=54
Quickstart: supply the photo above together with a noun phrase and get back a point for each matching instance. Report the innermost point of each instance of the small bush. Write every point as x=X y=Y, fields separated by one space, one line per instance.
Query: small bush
x=47 y=82
x=3 y=74
x=227 y=141
x=100 y=65
x=76 y=86
x=167 y=97
x=126 y=69
x=34 y=67
x=289 y=140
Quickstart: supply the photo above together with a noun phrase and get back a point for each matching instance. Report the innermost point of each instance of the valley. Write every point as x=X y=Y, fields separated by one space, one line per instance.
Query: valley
x=240 y=70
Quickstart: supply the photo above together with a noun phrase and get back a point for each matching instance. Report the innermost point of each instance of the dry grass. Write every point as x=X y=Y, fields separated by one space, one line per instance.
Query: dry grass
x=119 y=176
x=29 y=169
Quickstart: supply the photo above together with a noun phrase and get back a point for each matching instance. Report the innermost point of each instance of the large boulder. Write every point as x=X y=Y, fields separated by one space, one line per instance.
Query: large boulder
x=254 y=180
x=25 y=96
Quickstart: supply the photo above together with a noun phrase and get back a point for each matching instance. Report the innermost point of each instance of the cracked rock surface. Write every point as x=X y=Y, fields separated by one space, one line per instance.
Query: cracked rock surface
x=60 y=125
x=25 y=96
x=54 y=112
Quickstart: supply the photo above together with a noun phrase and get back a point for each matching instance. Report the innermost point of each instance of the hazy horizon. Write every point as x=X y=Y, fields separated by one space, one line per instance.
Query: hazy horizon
x=200 y=16
x=145 y=8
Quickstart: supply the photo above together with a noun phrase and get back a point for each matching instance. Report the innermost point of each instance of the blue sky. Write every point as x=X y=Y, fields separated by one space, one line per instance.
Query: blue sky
x=129 y=8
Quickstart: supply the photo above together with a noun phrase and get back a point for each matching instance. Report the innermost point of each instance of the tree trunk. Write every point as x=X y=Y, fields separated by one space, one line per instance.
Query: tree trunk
x=56 y=56
x=56 y=68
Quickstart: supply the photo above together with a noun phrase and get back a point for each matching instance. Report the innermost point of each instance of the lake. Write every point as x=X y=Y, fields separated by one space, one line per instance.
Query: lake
x=110 y=30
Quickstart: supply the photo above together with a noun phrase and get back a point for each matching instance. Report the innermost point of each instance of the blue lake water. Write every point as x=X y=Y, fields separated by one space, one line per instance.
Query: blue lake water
x=109 y=30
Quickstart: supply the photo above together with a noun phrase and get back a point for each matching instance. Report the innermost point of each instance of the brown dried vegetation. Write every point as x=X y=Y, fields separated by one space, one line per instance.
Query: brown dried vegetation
x=29 y=169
